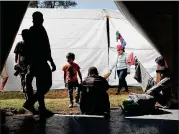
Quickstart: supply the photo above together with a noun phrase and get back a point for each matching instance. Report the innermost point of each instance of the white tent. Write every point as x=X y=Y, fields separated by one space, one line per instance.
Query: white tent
x=84 y=32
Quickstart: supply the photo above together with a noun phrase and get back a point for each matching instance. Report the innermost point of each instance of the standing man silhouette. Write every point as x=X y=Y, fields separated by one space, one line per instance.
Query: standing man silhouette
x=39 y=52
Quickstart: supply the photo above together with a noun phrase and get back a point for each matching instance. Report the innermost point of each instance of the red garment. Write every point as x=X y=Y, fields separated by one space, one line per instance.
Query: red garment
x=130 y=59
x=121 y=39
x=75 y=68
x=119 y=47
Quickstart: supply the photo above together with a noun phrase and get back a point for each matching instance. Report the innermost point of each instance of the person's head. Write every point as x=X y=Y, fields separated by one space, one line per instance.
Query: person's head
x=37 y=18
x=70 y=57
x=25 y=34
x=92 y=71
x=120 y=49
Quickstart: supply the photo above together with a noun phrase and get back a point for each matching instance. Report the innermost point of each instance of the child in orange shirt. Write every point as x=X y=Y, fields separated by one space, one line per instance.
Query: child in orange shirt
x=70 y=77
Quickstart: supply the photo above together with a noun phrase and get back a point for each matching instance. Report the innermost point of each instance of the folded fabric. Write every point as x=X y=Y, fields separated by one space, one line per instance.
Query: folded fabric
x=121 y=38
x=123 y=43
x=131 y=60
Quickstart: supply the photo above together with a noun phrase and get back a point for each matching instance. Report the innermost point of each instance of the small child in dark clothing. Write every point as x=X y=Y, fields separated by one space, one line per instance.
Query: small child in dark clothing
x=70 y=77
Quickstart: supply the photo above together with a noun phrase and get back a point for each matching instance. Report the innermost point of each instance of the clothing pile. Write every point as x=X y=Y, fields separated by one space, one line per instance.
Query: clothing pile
x=142 y=76
x=138 y=104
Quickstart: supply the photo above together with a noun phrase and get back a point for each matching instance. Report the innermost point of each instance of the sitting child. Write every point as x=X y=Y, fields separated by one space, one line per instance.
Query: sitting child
x=70 y=77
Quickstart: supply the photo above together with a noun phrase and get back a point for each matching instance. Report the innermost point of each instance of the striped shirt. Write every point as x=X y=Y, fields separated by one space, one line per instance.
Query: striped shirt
x=121 y=63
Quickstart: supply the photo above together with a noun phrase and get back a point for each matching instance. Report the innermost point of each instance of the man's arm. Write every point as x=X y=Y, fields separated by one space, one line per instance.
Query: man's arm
x=52 y=64
x=79 y=73
x=50 y=59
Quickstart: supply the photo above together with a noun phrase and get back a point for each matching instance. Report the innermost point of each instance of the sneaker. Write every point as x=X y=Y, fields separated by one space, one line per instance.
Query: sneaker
x=77 y=104
x=44 y=114
x=70 y=106
x=1 y=89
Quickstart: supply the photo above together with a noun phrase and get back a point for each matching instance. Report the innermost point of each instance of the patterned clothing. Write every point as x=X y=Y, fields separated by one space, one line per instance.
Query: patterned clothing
x=71 y=71
x=21 y=51
x=121 y=63
x=71 y=79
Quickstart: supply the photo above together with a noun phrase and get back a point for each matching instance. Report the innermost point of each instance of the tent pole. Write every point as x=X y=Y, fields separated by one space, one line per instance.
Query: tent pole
x=108 y=37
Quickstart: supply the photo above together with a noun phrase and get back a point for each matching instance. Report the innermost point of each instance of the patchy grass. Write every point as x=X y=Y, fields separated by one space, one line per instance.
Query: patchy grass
x=58 y=94
x=56 y=100
x=56 y=105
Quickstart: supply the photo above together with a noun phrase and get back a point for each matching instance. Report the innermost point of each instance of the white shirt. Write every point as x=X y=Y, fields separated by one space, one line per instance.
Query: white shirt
x=121 y=63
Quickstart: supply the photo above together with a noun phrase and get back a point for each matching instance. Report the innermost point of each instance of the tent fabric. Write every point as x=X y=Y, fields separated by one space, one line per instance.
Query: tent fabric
x=84 y=32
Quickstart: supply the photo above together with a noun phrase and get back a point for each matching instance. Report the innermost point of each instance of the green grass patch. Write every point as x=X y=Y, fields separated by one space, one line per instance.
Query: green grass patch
x=57 y=100
x=56 y=105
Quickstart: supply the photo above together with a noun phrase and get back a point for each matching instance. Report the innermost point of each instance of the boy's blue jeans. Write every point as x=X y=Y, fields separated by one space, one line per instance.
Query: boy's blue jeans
x=71 y=86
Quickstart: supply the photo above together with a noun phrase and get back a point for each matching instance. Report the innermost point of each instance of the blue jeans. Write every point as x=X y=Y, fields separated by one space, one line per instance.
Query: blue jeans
x=122 y=81
x=71 y=86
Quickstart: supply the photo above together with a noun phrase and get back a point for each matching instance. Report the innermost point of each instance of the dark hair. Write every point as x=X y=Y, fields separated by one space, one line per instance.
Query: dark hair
x=160 y=61
x=37 y=15
x=70 y=56
x=92 y=71
x=25 y=33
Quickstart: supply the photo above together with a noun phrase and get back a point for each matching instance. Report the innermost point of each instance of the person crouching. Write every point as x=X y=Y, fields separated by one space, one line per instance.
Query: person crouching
x=94 y=97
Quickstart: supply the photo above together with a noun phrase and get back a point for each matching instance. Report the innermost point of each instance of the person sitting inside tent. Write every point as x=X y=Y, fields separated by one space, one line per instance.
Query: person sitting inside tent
x=94 y=98
x=164 y=70
x=162 y=91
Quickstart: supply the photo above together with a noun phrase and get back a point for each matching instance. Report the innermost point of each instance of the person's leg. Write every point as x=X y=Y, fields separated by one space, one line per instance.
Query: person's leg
x=70 y=93
x=29 y=89
x=43 y=83
x=4 y=79
x=28 y=86
x=119 y=73
x=124 y=80
x=77 y=93
x=28 y=92
x=22 y=75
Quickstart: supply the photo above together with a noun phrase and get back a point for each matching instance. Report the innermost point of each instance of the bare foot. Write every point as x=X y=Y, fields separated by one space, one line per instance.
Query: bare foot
x=1 y=89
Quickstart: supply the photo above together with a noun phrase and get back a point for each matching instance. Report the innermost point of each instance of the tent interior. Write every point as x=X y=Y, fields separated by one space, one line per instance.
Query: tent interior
x=7 y=38
x=84 y=32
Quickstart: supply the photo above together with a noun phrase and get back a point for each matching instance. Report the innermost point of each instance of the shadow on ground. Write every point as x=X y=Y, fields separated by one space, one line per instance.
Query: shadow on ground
x=118 y=123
